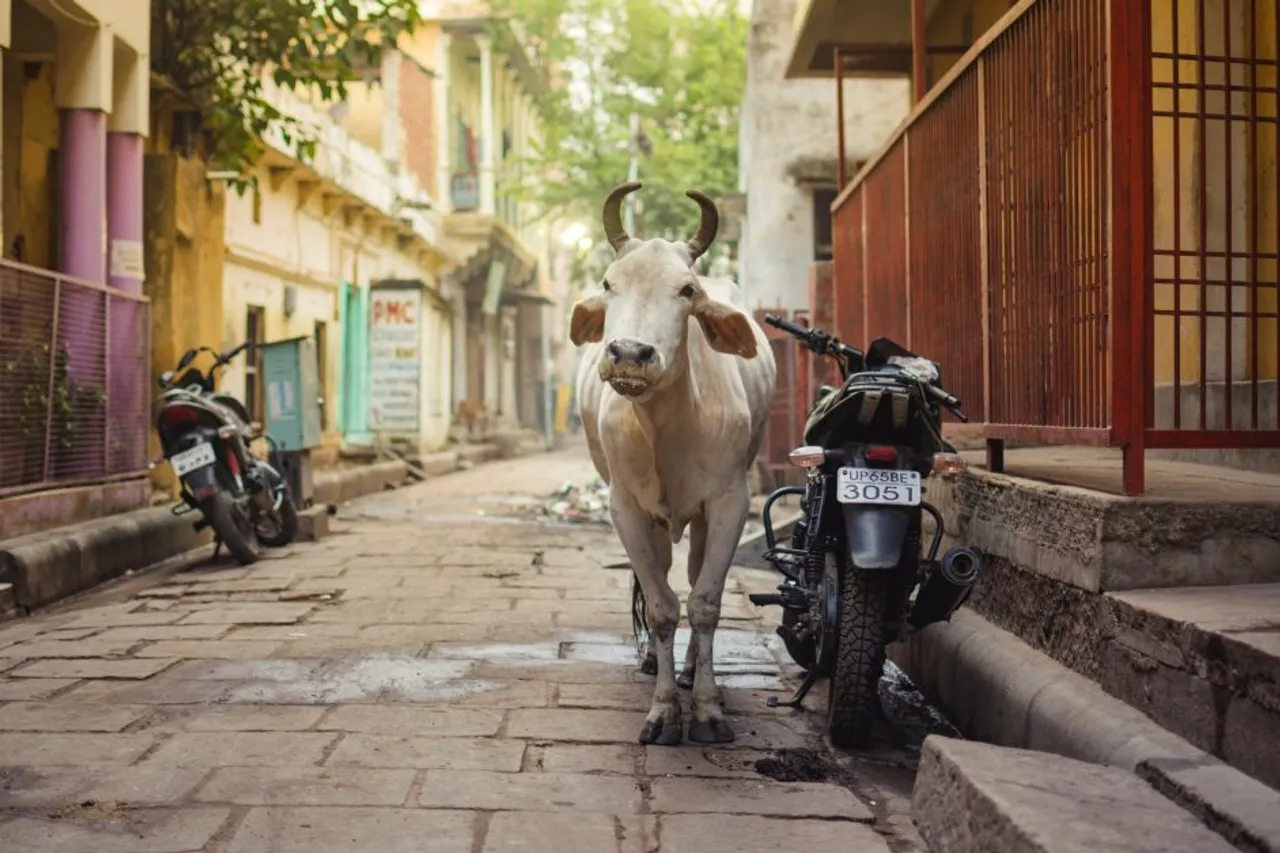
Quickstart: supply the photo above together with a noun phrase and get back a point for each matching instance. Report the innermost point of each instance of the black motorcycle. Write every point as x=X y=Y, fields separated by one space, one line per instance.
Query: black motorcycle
x=855 y=559
x=206 y=436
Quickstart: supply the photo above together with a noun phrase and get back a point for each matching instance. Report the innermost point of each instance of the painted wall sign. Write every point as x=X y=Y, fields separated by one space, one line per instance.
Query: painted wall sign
x=126 y=260
x=395 y=360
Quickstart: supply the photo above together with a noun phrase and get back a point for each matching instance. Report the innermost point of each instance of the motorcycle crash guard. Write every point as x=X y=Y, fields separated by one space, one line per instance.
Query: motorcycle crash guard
x=875 y=534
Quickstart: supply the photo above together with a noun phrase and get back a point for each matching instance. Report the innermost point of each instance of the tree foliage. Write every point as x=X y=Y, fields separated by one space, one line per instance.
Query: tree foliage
x=217 y=52
x=681 y=66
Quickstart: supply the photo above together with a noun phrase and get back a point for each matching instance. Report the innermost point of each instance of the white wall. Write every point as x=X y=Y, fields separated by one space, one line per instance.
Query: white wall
x=785 y=124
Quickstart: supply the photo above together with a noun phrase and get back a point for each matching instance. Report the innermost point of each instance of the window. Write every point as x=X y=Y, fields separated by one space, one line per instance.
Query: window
x=823 y=198
x=321 y=335
x=255 y=321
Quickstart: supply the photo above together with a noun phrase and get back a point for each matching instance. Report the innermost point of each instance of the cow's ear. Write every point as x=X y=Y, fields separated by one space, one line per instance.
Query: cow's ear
x=586 y=326
x=727 y=329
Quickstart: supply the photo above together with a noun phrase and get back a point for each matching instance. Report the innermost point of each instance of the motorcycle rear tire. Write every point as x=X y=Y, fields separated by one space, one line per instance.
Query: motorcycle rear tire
x=860 y=653
x=221 y=512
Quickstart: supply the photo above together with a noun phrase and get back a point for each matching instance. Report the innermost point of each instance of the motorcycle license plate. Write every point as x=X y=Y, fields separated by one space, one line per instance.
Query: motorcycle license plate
x=878 y=486
x=193 y=459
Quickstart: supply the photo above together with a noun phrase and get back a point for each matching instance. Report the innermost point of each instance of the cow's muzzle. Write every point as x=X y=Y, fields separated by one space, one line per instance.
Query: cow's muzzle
x=630 y=366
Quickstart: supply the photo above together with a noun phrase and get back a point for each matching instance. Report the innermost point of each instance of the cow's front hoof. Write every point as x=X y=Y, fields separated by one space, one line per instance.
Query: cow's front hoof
x=661 y=732
x=714 y=730
x=685 y=680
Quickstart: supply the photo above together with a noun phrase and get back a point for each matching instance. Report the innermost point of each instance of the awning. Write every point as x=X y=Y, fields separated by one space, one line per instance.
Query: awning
x=525 y=297
x=874 y=34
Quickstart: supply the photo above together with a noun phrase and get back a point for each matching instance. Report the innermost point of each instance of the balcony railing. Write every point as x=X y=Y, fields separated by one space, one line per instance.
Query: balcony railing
x=75 y=364
x=1080 y=223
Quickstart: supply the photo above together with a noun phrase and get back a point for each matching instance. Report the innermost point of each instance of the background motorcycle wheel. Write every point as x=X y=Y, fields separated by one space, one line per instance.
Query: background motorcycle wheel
x=859 y=661
x=232 y=526
x=278 y=528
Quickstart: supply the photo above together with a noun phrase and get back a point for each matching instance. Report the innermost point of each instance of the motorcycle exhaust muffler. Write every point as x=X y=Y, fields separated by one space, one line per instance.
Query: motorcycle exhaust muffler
x=945 y=588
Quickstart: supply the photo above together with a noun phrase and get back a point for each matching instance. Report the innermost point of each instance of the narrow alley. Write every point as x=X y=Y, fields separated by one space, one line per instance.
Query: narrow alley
x=451 y=670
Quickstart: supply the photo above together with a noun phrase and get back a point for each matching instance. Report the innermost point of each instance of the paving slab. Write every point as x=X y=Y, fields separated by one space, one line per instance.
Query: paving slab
x=429 y=753
x=737 y=833
x=531 y=792
x=343 y=830
x=308 y=786
x=106 y=829
x=975 y=798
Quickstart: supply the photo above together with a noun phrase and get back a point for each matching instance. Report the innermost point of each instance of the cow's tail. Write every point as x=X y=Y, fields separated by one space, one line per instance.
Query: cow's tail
x=639 y=615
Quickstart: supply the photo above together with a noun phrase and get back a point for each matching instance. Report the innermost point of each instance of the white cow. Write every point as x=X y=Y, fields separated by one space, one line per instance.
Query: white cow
x=674 y=391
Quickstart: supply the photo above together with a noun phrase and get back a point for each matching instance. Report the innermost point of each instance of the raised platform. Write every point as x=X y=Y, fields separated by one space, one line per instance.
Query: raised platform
x=1170 y=601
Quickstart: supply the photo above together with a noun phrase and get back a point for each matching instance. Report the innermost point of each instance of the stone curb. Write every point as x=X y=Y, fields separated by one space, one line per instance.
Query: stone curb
x=1000 y=690
x=972 y=797
x=51 y=565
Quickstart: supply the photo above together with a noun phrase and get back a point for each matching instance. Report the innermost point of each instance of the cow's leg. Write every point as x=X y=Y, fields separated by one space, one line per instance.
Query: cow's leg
x=726 y=517
x=697 y=550
x=644 y=542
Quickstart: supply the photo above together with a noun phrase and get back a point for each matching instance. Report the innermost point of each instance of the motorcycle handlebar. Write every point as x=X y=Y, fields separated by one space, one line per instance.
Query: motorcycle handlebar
x=230 y=354
x=787 y=326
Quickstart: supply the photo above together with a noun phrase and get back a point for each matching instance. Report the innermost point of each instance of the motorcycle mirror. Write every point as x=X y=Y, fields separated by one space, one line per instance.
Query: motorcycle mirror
x=187 y=358
x=166 y=378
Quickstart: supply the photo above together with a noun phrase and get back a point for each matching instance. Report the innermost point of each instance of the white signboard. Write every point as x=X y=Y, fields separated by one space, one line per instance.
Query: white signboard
x=395 y=359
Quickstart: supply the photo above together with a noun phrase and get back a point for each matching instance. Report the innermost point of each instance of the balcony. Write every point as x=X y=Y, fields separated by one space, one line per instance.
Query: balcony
x=1079 y=223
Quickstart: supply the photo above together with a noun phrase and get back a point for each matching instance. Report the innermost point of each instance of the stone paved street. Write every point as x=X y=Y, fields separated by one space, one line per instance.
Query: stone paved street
x=444 y=673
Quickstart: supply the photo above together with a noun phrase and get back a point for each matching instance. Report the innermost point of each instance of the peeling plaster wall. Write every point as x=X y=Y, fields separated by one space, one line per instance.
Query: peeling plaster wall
x=789 y=138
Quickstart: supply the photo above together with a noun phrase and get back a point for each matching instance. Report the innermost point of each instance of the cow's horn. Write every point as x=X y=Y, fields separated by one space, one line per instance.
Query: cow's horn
x=613 y=230
x=707 y=228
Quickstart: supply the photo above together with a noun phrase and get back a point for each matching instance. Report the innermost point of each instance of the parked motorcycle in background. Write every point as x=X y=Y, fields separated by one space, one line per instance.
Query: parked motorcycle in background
x=206 y=437
x=855 y=558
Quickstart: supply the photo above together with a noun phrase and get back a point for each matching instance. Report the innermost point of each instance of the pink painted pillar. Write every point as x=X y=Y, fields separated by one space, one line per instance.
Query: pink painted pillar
x=124 y=212
x=82 y=161
x=128 y=358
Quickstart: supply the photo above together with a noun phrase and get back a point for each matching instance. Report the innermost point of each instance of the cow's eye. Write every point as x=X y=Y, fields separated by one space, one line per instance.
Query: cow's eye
x=687 y=291
x=607 y=287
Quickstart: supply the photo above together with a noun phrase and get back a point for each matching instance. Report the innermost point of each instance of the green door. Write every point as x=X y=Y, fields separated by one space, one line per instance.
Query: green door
x=354 y=365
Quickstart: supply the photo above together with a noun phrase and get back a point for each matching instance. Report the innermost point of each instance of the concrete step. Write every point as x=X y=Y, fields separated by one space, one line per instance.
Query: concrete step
x=977 y=798
x=1204 y=662
x=1090 y=578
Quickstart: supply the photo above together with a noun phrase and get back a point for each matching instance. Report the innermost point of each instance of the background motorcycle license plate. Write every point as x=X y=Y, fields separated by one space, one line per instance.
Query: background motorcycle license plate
x=193 y=459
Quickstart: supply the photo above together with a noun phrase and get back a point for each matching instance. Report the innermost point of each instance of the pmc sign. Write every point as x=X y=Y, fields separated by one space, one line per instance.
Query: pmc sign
x=395 y=311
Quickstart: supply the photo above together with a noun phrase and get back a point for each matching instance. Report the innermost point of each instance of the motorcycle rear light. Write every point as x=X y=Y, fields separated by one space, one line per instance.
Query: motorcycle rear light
x=178 y=416
x=226 y=432
x=807 y=457
x=948 y=464
x=234 y=464
x=881 y=454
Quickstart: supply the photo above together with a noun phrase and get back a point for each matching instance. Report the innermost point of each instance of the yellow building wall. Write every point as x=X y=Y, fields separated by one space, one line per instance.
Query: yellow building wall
x=30 y=138
x=959 y=22
x=1238 y=200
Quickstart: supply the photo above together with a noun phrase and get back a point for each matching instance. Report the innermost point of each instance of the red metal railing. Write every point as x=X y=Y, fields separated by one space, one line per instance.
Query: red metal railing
x=74 y=391
x=1080 y=222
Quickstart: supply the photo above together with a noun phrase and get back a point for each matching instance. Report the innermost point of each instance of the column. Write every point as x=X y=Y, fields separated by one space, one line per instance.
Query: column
x=129 y=362
x=487 y=141
x=83 y=94
x=440 y=91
